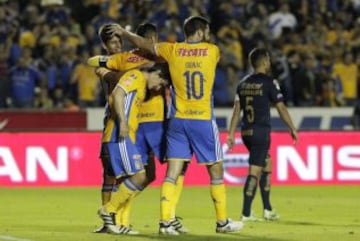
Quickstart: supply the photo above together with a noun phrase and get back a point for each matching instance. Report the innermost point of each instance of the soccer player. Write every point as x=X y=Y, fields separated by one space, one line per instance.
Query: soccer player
x=112 y=44
x=255 y=93
x=192 y=128
x=151 y=133
x=150 y=137
x=119 y=139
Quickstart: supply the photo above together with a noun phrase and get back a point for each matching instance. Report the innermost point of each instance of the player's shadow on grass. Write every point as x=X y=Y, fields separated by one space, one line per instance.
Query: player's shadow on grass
x=217 y=237
x=304 y=223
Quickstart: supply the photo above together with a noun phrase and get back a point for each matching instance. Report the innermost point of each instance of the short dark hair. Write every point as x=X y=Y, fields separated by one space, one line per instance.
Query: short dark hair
x=193 y=24
x=105 y=35
x=145 y=29
x=256 y=55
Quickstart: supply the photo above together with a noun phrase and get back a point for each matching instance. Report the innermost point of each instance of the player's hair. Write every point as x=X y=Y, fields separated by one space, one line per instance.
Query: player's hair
x=256 y=56
x=145 y=29
x=193 y=24
x=105 y=35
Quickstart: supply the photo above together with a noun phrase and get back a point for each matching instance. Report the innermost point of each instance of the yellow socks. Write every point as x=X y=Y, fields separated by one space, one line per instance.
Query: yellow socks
x=126 y=191
x=167 y=197
x=218 y=195
x=177 y=193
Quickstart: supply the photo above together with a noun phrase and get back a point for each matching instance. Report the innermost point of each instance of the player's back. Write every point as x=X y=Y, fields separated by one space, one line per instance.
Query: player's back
x=256 y=93
x=192 y=69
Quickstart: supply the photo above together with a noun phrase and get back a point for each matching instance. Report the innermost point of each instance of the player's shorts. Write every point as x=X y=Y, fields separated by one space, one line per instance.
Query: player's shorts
x=200 y=137
x=150 y=137
x=124 y=157
x=105 y=160
x=258 y=144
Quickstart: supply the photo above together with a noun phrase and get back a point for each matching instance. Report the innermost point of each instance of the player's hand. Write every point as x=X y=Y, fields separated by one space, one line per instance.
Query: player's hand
x=101 y=72
x=230 y=141
x=294 y=136
x=116 y=29
x=124 y=129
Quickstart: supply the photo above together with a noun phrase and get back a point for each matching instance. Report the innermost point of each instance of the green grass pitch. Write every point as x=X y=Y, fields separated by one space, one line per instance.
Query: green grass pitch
x=314 y=213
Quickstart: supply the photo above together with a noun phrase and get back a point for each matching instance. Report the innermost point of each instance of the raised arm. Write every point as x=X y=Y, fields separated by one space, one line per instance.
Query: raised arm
x=284 y=115
x=139 y=41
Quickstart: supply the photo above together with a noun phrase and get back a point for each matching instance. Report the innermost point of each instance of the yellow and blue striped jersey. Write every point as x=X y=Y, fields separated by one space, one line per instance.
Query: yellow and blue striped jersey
x=192 y=69
x=134 y=84
x=153 y=109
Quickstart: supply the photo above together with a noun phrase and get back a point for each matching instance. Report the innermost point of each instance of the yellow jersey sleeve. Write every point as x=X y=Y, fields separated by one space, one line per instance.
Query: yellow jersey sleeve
x=121 y=61
x=164 y=50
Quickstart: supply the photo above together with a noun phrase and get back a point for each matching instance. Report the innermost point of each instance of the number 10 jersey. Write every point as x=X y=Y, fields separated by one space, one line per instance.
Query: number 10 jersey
x=192 y=68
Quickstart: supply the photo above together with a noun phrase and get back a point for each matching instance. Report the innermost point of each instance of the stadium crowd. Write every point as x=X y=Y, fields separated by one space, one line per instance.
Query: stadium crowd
x=315 y=46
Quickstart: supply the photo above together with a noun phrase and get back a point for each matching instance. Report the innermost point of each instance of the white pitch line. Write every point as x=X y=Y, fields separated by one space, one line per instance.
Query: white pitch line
x=6 y=237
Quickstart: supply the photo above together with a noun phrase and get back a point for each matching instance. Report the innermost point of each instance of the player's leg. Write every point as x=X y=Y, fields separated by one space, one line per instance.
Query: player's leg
x=258 y=146
x=265 y=186
x=155 y=136
x=178 y=151
x=175 y=220
x=123 y=214
x=126 y=162
x=108 y=183
x=205 y=141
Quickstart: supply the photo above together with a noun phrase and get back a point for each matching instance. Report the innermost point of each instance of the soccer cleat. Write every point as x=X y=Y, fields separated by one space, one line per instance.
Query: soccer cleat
x=109 y=221
x=127 y=230
x=179 y=227
x=271 y=215
x=167 y=229
x=229 y=226
x=251 y=218
x=102 y=229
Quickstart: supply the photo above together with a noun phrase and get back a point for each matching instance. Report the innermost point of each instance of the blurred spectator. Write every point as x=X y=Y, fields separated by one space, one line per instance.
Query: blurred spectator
x=347 y=72
x=280 y=20
x=87 y=82
x=24 y=79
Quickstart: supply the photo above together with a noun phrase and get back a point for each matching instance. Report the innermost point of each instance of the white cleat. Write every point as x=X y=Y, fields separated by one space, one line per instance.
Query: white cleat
x=251 y=218
x=167 y=229
x=229 y=226
x=179 y=227
x=271 y=215
x=109 y=221
x=127 y=230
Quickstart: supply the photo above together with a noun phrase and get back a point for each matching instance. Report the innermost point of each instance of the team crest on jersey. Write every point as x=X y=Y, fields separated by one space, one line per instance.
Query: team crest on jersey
x=137 y=161
x=276 y=83
x=128 y=81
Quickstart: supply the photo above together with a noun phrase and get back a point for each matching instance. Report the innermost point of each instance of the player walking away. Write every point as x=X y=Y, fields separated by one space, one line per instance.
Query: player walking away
x=192 y=128
x=119 y=139
x=255 y=93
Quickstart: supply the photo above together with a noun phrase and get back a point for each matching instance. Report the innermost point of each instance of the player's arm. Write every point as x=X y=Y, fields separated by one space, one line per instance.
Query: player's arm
x=119 y=95
x=108 y=76
x=98 y=61
x=139 y=41
x=285 y=116
x=234 y=122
